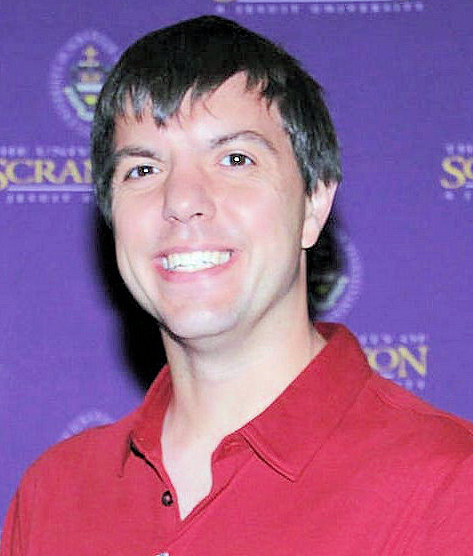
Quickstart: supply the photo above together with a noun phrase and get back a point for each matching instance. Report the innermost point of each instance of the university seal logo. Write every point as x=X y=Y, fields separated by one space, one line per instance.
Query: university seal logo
x=78 y=73
x=334 y=275
x=86 y=420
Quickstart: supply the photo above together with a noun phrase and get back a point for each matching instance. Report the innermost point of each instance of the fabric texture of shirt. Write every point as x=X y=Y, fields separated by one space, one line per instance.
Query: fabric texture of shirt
x=343 y=462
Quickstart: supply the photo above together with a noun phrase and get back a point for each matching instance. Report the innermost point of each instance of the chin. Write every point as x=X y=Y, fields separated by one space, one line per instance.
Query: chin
x=198 y=326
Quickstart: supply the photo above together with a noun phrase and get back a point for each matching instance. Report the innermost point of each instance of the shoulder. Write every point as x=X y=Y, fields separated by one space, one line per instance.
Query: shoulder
x=96 y=454
x=95 y=450
x=420 y=460
x=388 y=416
x=417 y=426
x=68 y=482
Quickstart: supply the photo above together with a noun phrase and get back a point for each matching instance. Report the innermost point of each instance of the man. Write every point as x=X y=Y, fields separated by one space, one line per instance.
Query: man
x=216 y=164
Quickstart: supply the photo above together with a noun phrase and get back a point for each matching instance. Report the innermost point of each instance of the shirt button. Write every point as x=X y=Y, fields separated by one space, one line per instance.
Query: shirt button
x=166 y=498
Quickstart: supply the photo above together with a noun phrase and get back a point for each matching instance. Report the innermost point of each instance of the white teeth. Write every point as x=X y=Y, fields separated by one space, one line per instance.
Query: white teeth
x=194 y=261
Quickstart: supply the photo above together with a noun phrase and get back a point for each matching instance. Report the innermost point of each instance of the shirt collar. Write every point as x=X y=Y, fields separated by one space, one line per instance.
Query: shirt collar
x=145 y=434
x=288 y=433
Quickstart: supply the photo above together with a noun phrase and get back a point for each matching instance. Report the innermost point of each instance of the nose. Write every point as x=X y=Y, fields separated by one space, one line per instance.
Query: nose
x=188 y=195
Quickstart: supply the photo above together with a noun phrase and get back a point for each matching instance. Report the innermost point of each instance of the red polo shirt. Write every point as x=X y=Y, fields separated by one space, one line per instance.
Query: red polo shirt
x=342 y=463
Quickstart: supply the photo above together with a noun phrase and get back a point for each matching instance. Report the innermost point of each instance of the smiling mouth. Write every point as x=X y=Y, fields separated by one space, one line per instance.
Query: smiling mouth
x=195 y=260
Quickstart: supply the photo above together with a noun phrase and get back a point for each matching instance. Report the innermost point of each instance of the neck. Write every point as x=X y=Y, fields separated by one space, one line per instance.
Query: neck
x=220 y=386
x=215 y=392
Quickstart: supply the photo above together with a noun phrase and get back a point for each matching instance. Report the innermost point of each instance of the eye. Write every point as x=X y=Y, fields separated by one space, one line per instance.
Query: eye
x=141 y=171
x=236 y=159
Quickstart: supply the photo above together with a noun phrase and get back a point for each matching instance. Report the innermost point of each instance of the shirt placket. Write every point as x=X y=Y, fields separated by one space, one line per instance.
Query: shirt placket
x=227 y=460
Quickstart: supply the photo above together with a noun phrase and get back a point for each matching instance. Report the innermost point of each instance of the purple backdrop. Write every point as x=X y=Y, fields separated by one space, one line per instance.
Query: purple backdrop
x=399 y=81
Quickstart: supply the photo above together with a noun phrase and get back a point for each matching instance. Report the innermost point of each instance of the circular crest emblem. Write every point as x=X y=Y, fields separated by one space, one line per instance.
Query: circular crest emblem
x=85 y=420
x=335 y=279
x=77 y=75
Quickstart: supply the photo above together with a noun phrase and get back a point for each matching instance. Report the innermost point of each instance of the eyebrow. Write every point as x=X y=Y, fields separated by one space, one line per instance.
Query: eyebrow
x=245 y=134
x=132 y=151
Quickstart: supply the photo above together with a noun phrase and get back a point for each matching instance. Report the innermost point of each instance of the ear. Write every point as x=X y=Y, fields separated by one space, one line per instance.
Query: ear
x=317 y=208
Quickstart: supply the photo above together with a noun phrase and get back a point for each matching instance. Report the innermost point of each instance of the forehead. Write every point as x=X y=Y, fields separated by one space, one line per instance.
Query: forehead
x=231 y=105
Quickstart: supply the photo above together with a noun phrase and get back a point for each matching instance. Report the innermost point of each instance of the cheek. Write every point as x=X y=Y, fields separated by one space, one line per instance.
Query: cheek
x=129 y=242
x=131 y=220
x=125 y=236
x=124 y=241
x=272 y=219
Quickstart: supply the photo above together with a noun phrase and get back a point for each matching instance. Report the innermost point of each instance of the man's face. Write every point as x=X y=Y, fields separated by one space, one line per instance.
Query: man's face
x=210 y=215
